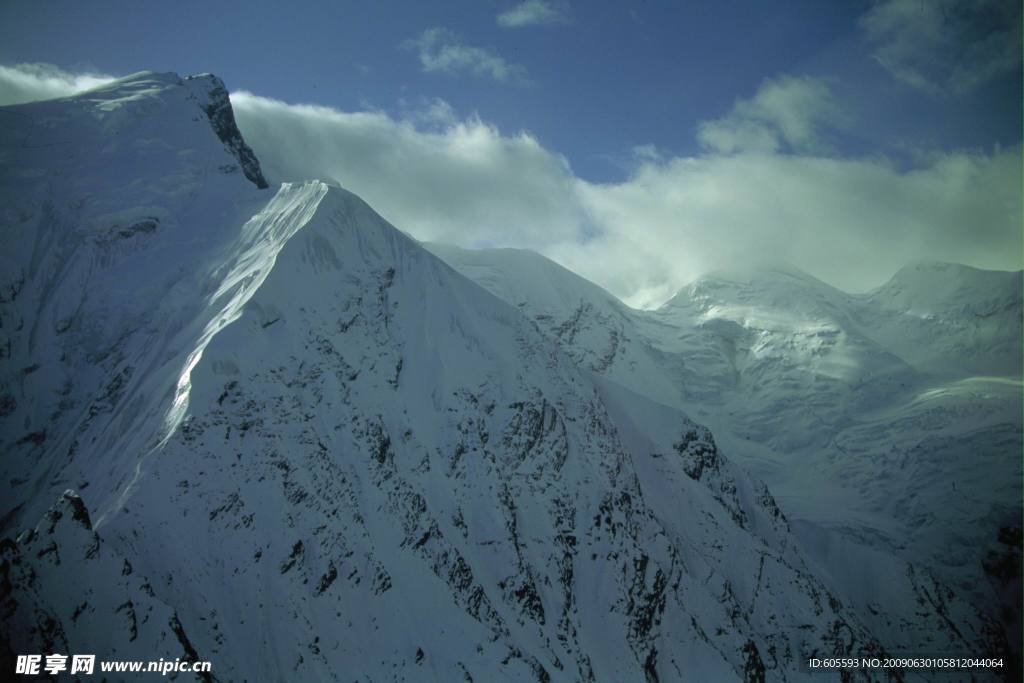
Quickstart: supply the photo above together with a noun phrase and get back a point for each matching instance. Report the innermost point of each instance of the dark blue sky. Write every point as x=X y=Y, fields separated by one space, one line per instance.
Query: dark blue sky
x=603 y=78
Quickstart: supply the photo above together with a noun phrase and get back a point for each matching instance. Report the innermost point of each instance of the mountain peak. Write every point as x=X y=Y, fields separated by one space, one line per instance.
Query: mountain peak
x=147 y=110
x=213 y=98
x=762 y=283
x=930 y=287
x=941 y=269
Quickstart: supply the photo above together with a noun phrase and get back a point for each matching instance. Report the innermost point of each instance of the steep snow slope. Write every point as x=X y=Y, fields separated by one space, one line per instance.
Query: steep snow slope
x=874 y=401
x=120 y=210
x=384 y=448
x=864 y=413
x=305 y=448
x=66 y=591
x=950 y=319
x=597 y=330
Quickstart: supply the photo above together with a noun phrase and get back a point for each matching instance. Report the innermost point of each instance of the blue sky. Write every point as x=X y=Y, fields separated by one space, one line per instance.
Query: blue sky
x=599 y=79
x=583 y=108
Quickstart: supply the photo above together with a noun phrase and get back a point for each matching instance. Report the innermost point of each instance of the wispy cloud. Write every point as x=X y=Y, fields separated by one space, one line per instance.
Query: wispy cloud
x=945 y=46
x=533 y=13
x=30 y=82
x=849 y=221
x=450 y=178
x=442 y=51
x=785 y=113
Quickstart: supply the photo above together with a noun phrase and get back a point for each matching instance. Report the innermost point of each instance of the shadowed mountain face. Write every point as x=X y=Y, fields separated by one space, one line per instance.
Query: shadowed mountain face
x=267 y=429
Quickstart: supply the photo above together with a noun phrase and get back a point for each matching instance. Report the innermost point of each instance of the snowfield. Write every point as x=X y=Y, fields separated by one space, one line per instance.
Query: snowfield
x=886 y=424
x=259 y=425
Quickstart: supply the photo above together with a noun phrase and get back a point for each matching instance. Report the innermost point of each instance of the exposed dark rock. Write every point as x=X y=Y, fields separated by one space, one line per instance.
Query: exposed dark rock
x=222 y=118
x=327 y=579
x=191 y=655
x=294 y=557
x=753 y=669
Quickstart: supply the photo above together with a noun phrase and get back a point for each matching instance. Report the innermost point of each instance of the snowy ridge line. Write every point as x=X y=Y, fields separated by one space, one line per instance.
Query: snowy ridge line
x=261 y=240
x=110 y=233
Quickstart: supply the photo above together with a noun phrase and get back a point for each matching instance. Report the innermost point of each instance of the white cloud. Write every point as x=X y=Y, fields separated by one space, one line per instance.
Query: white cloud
x=430 y=173
x=945 y=46
x=851 y=222
x=441 y=50
x=432 y=113
x=532 y=13
x=785 y=111
x=30 y=82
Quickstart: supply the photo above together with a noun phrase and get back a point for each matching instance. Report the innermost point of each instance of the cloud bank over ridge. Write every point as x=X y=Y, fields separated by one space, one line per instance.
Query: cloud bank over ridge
x=765 y=190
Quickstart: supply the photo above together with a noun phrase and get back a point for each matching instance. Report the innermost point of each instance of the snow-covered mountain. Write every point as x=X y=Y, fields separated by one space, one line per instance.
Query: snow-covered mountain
x=887 y=422
x=265 y=428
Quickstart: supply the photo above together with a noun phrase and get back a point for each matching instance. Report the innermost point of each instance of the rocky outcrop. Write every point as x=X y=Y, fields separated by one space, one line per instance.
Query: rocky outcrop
x=63 y=590
x=213 y=96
